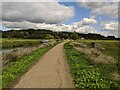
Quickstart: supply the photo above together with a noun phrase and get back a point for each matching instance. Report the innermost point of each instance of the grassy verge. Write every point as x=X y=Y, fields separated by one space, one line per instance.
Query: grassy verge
x=86 y=74
x=112 y=48
x=10 y=74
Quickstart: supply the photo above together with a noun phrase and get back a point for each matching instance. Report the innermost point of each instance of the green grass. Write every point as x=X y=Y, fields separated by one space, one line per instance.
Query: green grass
x=13 y=43
x=11 y=73
x=112 y=48
x=79 y=40
x=87 y=74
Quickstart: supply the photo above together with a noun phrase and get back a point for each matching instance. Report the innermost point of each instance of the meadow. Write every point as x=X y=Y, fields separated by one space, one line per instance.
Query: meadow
x=89 y=74
x=112 y=48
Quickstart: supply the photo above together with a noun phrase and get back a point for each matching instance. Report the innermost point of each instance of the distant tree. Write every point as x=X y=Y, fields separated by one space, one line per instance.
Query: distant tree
x=74 y=36
x=48 y=36
x=110 y=37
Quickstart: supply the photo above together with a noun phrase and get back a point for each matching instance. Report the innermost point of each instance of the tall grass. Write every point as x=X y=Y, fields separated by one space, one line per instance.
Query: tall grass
x=112 y=48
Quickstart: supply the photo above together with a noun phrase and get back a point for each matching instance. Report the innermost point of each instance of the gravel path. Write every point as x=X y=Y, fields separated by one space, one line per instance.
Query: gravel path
x=51 y=71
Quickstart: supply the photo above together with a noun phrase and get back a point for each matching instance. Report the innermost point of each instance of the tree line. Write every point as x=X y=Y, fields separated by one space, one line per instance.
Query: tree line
x=47 y=34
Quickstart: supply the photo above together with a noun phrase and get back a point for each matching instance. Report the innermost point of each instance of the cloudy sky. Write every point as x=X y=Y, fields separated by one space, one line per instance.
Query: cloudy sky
x=81 y=16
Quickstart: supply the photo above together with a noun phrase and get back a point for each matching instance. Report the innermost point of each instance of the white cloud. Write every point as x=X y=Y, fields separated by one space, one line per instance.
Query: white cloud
x=108 y=10
x=84 y=21
x=92 y=4
x=109 y=28
x=86 y=29
x=51 y=12
x=23 y=25
x=0 y=12
x=28 y=0
x=103 y=7
x=27 y=24
x=109 y=33
x=58 y=0
x=111 y=25
x=78 y=27
x=89 y=21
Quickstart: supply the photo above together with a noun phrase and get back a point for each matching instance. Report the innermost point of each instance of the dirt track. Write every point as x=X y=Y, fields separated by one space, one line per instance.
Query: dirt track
x=51 y=71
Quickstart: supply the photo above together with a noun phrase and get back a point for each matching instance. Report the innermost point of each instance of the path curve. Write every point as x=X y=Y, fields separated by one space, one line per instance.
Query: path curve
x=51 y=71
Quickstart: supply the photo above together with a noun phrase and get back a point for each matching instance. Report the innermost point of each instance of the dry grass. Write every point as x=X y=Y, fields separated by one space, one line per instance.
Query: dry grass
x=116 y=76
x=19 y=52
x=94 y=53
x=16 y=53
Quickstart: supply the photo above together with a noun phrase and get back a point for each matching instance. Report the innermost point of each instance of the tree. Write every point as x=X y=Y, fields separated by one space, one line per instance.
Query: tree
x=74 y=36
x=48 y=36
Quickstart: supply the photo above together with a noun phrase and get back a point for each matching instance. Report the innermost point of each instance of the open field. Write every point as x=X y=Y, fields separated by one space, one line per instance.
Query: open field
x=112 y=48
x=88 y=73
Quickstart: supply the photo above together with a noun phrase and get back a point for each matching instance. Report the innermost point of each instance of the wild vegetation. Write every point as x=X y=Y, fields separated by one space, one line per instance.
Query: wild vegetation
x=14 y=54
x=25 y=52
x=111 y=48
x=88 y=64
x=88 y=74
x=20 y=65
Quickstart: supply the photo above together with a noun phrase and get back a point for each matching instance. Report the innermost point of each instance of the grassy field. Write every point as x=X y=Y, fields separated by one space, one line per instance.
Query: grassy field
x=13 y=43
x=11 y=73
x=88 y=74
x=112 y=48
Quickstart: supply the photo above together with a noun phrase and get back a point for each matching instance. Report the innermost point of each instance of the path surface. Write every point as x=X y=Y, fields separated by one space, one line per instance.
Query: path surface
x=51 y=71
